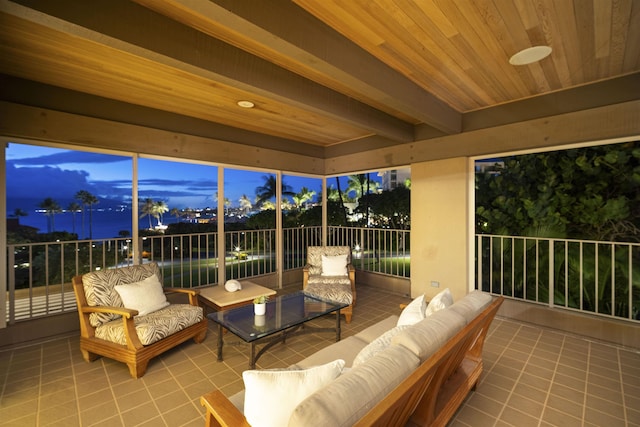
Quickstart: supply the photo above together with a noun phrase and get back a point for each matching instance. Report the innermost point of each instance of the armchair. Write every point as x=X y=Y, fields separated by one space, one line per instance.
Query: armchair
x=108 y=328
x=329 y=274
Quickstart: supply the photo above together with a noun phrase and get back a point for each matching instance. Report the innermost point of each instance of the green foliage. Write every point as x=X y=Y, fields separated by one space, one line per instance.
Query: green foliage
x=586 y=193
x=388 y=209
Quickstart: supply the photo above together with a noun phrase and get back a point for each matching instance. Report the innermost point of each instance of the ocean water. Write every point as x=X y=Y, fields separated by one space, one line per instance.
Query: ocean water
x=106 y=223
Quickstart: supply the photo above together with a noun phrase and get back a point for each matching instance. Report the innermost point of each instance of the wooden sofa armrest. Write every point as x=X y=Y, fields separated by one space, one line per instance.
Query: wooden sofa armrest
x=221 y=412
x=192 y=293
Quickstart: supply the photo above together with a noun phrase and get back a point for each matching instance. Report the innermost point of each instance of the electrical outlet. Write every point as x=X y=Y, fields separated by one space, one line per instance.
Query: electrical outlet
x=435 y=284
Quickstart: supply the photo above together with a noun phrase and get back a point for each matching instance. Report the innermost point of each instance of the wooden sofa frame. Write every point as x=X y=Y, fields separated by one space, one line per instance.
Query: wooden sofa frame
x=134 y=354
x=430 y=396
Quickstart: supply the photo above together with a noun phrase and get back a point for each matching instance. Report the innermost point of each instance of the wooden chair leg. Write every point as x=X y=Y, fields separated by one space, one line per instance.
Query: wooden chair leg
x=138 y=369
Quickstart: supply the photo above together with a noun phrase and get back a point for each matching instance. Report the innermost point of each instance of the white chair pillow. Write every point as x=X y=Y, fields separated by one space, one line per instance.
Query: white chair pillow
x=442 y=300
x=334 y=265
x=271 y=396
x=145 y=296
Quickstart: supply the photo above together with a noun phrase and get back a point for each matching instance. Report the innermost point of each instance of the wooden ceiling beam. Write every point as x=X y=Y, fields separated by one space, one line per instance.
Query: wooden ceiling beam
x=287 y=32
x=137 y=30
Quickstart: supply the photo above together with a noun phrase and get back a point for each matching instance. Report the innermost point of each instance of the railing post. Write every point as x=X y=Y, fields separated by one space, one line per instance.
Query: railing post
x=479 y=263
x=12 y=284
x=552 y=285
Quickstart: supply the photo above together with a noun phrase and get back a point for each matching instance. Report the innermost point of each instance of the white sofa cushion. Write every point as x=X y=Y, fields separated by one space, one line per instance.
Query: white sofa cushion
x=146 y=296
x=441 y=301
x=472 y=304
x=347 y=349
x=377 y=345
x=427 y=336
x=271 y=395
x=374 y=331
x=347 y=398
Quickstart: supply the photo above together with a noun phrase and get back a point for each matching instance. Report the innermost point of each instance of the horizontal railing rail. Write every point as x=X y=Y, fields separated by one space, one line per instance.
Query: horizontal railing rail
x=600 y=278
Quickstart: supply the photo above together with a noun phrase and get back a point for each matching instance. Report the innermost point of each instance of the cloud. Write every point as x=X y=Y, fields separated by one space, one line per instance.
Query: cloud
x=68 y=157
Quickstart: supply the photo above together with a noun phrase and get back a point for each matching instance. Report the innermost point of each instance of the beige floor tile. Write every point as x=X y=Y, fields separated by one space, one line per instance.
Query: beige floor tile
x=532 y=377
x=602 y=419
x=558 y=418
x=515 y=417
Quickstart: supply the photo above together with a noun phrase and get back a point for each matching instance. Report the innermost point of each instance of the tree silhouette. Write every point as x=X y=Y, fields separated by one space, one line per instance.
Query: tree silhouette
x=147 y=209
x=177 y=213
x=73 y=208
x=87 y=199
x=17 y=213
x=303 y=196
x=51 y=208
x=341 y=199
x=245 y=204
x=159 y=208
x=268 y=190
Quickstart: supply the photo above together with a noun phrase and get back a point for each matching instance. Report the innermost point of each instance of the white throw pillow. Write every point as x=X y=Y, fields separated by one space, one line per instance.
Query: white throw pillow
x=145 y=296
x=334 y=265
x=379 y=344
x=442 y=300
x=414 y=312
x=271 y=396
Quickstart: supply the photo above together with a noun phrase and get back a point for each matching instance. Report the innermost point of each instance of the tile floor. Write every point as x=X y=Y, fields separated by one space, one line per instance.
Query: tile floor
x=532 y=377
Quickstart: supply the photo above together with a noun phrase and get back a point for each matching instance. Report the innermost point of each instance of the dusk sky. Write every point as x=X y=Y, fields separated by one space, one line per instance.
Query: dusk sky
x=35 y=173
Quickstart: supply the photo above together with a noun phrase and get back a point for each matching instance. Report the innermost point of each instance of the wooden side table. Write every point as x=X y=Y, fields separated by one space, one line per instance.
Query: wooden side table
x=217 y=297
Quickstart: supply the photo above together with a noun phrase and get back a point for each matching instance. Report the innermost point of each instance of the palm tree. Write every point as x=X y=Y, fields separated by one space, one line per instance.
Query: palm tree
x=17 y=213
x=159 y=208
x=245 y=204
x=87 y=199
x=51 y=208
x=147 y=210
x=268 y=190
x=344 y=210
x=303 y=196
x=74 y=208
x=177 y=213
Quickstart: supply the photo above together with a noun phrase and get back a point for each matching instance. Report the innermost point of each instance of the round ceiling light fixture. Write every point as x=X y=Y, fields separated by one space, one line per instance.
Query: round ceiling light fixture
x=246 y=104
x=530 y=55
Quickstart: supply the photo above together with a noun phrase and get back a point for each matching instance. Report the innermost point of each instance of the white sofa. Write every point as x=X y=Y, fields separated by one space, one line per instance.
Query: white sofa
x=392 y=374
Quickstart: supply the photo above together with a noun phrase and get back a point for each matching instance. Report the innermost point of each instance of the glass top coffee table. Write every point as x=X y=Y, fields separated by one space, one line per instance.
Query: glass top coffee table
x=285 y=317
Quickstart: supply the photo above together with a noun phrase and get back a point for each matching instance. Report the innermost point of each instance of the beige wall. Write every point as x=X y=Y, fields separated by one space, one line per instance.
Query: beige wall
x=439 y=226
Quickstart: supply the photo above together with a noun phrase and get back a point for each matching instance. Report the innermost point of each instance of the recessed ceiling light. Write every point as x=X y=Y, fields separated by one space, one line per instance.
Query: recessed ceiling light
x=530 y=55
x=246 y=104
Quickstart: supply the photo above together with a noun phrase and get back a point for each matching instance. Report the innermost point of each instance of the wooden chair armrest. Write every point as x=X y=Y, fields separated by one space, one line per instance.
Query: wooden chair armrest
x=192 y=293
x=124 y=312
x=221 y=412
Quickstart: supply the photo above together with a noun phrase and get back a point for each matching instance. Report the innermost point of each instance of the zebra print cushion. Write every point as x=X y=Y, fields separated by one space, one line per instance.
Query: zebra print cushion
x=314 y=256
x=153 y=326
x=332 y=290
x=99 y=287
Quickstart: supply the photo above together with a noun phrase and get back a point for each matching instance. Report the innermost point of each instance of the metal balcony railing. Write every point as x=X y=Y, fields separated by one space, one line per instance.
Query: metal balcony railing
x=601 y=278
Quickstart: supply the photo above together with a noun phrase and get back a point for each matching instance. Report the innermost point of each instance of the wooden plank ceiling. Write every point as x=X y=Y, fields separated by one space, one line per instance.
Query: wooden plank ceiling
x=320 y=72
